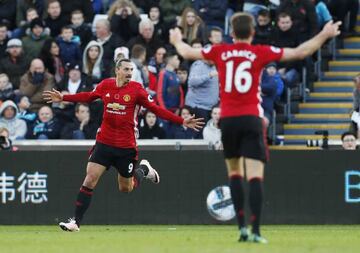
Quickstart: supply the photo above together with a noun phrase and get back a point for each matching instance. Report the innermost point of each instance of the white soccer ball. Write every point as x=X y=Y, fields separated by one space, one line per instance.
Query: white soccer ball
x=219 y=203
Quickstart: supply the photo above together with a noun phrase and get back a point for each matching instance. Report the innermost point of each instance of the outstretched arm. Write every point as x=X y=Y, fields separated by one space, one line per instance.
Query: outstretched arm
x=186 y=51
x=309 y=47
x=55 y=96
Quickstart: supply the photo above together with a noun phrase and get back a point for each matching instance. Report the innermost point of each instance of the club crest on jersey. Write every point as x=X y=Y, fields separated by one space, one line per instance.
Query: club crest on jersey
x=127 y=98
x=116 y=106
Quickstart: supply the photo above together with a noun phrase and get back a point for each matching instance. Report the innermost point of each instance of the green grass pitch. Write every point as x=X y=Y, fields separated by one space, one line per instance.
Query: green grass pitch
x=176 y=239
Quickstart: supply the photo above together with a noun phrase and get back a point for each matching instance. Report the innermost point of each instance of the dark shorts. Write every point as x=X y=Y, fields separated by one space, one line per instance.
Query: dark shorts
x=244 y=136
x=123 y=159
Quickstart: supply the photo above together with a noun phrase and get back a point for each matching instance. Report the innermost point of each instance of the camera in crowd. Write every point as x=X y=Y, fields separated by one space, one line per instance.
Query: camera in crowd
x=323 y=143
x=5 y=142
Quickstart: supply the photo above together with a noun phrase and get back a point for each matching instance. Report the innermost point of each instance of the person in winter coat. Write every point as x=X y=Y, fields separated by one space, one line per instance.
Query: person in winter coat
x=46 y=127
x=151 y=128
x=212 y=132
x=6 y=88
x=69 y=49
x=17 y=127
x=181 y=132
x=91 y=63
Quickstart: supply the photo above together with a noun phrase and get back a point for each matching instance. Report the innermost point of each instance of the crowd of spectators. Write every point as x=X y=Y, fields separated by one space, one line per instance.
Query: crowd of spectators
x=71 y=46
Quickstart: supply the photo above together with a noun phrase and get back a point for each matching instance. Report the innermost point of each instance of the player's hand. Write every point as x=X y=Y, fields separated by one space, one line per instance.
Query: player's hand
x=175 y=35
x=52 y=96
x=331 y=29
x=193 y=123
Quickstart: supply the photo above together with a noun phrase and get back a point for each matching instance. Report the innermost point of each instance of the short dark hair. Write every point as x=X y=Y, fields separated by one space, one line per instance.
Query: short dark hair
x=243 y=25
x=67 y=27
x=264 y=13
x=137 y=51
x=76 y=12
x=215 y=29
x=283 y=15
x=119 y=62
x=170 y=54
x=346 y=134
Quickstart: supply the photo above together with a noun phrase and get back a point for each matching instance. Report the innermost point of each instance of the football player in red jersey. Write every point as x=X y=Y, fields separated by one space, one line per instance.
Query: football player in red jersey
x=243 y=134
x=116 y=137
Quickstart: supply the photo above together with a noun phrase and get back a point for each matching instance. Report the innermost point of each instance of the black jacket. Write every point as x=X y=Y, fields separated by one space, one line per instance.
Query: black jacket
x=89 y=130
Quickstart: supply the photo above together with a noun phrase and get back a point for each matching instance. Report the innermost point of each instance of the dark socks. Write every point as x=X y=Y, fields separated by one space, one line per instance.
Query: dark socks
x=82 y=203
x=255 y=198
x=237 y=195
x=139 y=174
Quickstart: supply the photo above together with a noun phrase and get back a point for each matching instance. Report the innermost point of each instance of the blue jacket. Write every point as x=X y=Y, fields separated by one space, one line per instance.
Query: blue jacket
x=170 y=94
x=269 y=85
x=179 y=132
x=69 y=51
x=214 y=14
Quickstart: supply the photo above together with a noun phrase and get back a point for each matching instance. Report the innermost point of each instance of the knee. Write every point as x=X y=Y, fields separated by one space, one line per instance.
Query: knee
x=126 y=188
x=91 y=180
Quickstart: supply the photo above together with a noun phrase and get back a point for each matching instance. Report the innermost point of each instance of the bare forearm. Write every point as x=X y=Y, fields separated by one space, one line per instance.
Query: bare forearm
x=311 y=46
x=187 y=52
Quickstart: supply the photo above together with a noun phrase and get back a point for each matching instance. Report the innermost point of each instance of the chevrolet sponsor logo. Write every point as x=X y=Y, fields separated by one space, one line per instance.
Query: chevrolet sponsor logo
x=116 y=106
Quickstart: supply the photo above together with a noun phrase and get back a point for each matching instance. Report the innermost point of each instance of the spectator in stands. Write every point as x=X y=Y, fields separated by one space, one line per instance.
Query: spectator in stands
x=6 y=88
x=212 y=12
x=14 y=64
x=24 y=26
x=303 y=15
x=151 y=128
x=140 y=73
x=23 y=111
x=81 y=127
x=169 y=92
x=23 y=7
x=192 y=26
x=183 y=73
x=5 y=142
x=254 y=6
x=340 y=9
x=203 y=89
x=109 y=42
x=124 y=19
x=97 y=6
x=264 y=28
x=69 y=50
x=34 y=82
x=4 y=38
x=171 y=10
x=68 y=6
x=155 y=65
x=46 y=127
x=156 y=18
x=55 y=20
x=146 y=38
x=34 y=41
x=74 y=81
x=17 y=127
x=322 y=12
x=212 y=132
x=270 y=82
x=348 y=140
x=50 y=55
x=92 y=65
x=80 y=28
x=285 y=35
x=215 y=36
x=182 y=132
x=8 y=13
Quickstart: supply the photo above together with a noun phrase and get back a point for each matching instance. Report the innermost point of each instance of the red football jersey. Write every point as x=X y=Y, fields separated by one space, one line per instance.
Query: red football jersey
x=121 y=107
x=239 y=67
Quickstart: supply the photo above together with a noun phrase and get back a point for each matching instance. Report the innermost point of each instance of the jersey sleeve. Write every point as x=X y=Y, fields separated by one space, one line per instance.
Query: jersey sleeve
x=211 y=52
x=85 y=97
x=269 y=54
x=145 y=100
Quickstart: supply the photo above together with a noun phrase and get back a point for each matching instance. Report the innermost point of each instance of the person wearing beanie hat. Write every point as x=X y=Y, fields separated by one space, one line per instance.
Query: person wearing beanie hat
x=34 y=41
x=14 y=43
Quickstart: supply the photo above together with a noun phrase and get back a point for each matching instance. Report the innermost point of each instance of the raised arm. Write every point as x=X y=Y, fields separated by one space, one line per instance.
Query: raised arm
x=186 y=51
x=309 y=47
x=55 y=96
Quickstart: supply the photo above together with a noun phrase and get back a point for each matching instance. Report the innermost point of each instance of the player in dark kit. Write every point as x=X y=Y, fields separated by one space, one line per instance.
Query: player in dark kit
x=116 y=137
x=243 y=133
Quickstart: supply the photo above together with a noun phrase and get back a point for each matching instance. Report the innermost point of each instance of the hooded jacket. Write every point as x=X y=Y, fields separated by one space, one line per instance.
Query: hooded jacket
x=17 y=127
x=97 y=69
x=212 y=134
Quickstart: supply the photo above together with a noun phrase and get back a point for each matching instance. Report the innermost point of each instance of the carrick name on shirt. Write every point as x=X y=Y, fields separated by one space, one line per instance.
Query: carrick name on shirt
x=238 y=53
